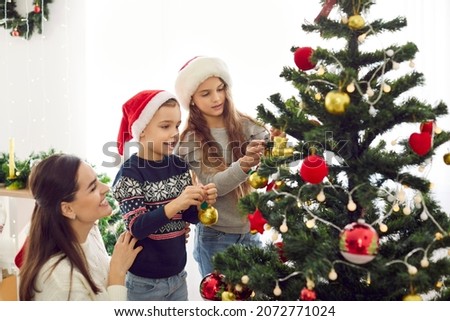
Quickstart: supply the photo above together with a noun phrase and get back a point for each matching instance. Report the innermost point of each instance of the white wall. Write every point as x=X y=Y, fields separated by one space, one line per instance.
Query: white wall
x=42 y=83
x=65 y=89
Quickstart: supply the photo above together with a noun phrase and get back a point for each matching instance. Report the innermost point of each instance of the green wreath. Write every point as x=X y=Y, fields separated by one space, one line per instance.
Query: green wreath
x=23 y=26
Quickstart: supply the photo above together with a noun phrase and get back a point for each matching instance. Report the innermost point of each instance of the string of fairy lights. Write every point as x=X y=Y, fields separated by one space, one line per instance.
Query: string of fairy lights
x=30 y=92
x=396 y=197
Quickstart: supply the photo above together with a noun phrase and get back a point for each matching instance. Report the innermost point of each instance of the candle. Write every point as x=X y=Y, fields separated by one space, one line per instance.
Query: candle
x=12 y=165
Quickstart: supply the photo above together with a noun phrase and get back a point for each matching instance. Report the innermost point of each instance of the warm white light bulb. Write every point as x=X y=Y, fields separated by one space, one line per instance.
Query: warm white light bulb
x=424 y=262
x=424 y=215
x=412 y=270
x=383 y=227
x=351 y=87
x=332 y=275
x=406 y=210
x=283 y=228
x=277 y=291
x=310 y=223
x=321 y=196
x=351 y=206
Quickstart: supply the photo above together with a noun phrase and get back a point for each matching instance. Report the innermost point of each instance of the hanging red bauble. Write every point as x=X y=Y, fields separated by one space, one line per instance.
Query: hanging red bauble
x=302 y=58
x=313 y=169
x=421 y=143
x=280 y=246
x=307 y=295
x=257 y=222
x=15 y=32
x=427 y=127
x=37 y=9
x=211 y=286
x=358 y=242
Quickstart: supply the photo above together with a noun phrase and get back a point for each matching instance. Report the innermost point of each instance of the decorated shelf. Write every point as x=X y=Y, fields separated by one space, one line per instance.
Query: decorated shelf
x=20 y=193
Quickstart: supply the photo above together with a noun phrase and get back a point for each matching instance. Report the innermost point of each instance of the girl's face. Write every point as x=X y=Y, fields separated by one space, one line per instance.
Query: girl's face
x=161 y=134
x=90 y=203
x=210 y=97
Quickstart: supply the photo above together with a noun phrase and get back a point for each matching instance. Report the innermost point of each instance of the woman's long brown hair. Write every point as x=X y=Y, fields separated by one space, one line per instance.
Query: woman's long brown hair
x=212 y=159
x=52 y=181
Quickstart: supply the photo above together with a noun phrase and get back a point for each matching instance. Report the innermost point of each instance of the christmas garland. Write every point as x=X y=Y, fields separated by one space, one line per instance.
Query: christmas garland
x=19 y=25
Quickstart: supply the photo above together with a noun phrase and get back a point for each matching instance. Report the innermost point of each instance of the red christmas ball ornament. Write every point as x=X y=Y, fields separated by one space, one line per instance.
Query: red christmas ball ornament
x=15 y=33
x=37 y=9
x=420 y=143
x=211 y=286
x=257 y=222
x=280 y=246
x=302 y=58
x=358 y=242
x=313 y=169
x=307 y=295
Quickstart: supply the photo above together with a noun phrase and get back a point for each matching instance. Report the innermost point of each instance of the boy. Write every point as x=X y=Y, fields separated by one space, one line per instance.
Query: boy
x=156 y=197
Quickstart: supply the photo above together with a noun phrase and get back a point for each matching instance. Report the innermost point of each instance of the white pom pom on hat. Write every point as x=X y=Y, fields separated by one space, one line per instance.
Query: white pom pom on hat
x=196 y=71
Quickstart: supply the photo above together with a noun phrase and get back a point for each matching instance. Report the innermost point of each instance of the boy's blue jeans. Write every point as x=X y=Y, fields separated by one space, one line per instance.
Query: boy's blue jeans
x=208 y=241
x=173 y=288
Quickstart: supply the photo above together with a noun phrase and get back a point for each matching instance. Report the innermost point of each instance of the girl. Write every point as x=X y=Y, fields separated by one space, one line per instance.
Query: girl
x=221 y=146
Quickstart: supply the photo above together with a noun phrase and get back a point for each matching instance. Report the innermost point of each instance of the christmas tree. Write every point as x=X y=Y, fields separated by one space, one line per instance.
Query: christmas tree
x=351 y=216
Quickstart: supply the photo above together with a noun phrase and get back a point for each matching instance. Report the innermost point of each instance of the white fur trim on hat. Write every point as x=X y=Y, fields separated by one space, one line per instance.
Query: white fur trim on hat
x=194 y=72
x=148 y=112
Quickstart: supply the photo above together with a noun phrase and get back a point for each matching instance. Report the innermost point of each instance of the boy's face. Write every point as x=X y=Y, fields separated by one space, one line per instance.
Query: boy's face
x=161 y=134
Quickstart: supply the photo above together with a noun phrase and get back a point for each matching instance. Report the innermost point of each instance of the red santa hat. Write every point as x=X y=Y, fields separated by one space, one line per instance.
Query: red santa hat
x=196 y=71
x=137 y=113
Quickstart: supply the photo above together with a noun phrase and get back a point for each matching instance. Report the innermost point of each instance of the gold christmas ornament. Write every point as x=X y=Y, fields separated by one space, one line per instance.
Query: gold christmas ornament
x=356 y=22
x=288 y=151
x=336 y=102
x=256 y=181
x=228 y=296
x=412 y=297
x=208 y=215
x=280 y=147
x=447 y=158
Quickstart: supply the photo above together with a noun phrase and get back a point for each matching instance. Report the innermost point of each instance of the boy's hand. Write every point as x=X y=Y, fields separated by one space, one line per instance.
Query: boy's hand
x=192 y=195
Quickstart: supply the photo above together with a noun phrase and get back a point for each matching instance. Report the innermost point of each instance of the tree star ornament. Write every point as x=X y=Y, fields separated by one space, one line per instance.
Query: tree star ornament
x=257 y=222
x=336 y=102
x=358 y=242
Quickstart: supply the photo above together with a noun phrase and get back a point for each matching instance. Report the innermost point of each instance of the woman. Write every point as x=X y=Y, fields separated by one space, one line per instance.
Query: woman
x=65 y=256
x=221 y=146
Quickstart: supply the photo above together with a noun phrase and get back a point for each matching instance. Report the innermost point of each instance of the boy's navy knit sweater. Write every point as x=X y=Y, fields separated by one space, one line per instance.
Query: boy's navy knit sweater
x=142 y=188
